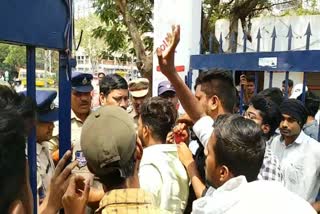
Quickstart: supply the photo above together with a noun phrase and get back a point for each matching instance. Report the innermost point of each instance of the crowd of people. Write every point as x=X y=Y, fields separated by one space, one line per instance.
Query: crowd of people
x=138 y=154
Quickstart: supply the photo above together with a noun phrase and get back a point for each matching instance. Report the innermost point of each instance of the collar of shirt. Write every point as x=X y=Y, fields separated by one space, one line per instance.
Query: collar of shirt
x=224 y=198
x=41 y=146
x=126 y=196
x=272 y=138
x=161 y=148
x=299 y=140
x=231 y=184
x=74 y=116
x=239 y=196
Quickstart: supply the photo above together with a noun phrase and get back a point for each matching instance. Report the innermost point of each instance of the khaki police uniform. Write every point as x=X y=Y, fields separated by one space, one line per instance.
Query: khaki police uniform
x=47 y=112
x=82 y=83
x=133 y=114
x=45 y=168
x=138 y=88
x=76 y=126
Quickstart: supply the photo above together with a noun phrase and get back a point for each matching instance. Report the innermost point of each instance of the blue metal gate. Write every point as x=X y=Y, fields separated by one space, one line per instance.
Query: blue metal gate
x=288 y=61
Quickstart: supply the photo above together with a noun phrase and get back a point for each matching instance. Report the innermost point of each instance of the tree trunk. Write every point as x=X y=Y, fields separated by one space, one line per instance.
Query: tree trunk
x=240 y=10
x=146 y=68
x=233 y=34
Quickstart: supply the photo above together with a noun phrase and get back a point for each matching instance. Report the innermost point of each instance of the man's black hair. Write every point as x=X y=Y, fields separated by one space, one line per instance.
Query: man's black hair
x=290 y=82
x=24 y=106
x=269 y=111
x=274 y=94
x=12 y=157
x=312 y=102
x=114 y=180
x=219 y=83
x=250 y=78
x=240 y=145
x=159 y=115
x=111 y=82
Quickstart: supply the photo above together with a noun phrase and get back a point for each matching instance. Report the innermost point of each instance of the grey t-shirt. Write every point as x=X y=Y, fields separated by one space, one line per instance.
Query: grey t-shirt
x=311 y=129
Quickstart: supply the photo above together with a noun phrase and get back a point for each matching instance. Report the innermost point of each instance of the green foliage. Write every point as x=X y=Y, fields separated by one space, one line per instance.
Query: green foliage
x=13 y=57
x=4 y=50
x=114 y=28
x=301 y=11
x=16 y=56
x=115 y=37
x=232 y=10
x=94 y=47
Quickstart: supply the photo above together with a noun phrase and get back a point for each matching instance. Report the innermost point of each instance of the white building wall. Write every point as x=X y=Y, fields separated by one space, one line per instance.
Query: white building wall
x=83 y=8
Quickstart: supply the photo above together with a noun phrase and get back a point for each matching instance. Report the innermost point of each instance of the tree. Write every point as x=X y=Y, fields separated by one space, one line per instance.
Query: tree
x=4 y=50
x=244 y=11
x=13 y=57
x=93 y=47
x=125 y=24
x=235 y=11
x=126 y=21
x=303 y=8
x=16 y=56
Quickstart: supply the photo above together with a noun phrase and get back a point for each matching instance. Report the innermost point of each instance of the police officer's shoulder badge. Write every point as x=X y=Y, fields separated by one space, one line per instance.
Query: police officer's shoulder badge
x=82 y=162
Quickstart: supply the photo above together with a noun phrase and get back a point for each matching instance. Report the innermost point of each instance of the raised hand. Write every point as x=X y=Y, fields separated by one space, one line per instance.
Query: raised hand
x=166 y=57
x=243 y=80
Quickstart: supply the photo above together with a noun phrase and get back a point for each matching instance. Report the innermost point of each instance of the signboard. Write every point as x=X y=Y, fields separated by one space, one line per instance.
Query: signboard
x=172 y=12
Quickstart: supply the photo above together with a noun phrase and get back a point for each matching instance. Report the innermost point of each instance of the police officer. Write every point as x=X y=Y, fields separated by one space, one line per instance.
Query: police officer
x=81 y=98
x=139 y=89
x=47 y=114
x=167 y=91
x=80 y=109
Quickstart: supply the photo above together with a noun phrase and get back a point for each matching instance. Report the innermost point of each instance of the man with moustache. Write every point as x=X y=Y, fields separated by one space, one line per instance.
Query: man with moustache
x=80 y=109
x=81 y=98
x=114 y=91
x=298 y=153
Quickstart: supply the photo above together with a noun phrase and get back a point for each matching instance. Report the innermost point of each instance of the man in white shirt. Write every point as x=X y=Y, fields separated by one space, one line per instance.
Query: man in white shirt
x=215 y=95
x=234 y=155
x=298 y=153
x=161 y=172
